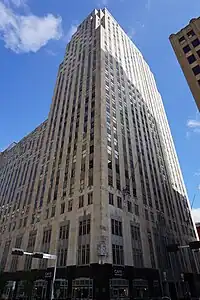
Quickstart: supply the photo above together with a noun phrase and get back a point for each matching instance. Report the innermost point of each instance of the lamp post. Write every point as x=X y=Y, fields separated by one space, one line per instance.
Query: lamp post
x=39 y=255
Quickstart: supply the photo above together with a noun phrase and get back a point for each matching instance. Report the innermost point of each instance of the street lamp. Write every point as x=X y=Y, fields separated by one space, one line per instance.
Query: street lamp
x=39 y=255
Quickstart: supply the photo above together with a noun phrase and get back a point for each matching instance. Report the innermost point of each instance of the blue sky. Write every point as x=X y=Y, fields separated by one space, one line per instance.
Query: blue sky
x=33 y=36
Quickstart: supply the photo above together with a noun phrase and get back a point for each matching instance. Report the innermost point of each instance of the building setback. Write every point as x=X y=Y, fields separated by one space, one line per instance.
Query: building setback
x=186 y=45
x=98 y=183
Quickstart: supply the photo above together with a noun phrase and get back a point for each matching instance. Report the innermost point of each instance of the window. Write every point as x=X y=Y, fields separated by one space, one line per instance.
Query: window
x=111 y=199
x=196 y=70
x=198 y=52
x=81 y=201
x=118 y=254
x=199 y=82
x=186 y=49
x=53 y=211
x=84 y=254
x=195 y=43
x=130 y=207
x=146 y=214
x=190 y=33
x=70 y=204
x=181 y=39
x=136 y=209
x=84 y=227
x=116 y=227
x=62 y=208
x=137 y=258
x=191 y=59
x=64 y=232
x=119 y=202
x=90 y=198
x=62 y=257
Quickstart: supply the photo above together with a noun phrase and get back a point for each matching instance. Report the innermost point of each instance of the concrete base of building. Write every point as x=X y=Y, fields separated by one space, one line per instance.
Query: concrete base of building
x=88 y=282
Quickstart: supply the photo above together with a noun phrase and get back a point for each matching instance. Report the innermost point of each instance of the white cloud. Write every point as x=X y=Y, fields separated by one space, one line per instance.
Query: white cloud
x=71 y=31
x=27 y=33
x=193 y=123
x=196 y=214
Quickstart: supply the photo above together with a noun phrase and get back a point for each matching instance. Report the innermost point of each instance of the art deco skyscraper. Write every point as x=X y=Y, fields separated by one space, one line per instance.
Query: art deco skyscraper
x=99 y=182
x=186 y=45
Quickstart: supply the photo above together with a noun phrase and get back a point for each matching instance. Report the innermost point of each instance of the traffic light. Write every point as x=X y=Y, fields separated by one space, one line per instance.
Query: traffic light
x=16 y=251
x=173 y=248
x=37 y=255
x=195 y=245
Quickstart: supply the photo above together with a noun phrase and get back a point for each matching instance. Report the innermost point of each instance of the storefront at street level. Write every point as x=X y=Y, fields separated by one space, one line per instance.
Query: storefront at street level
x=87 y=282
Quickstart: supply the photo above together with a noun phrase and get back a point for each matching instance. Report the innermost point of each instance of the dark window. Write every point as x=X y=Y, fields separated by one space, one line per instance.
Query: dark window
x=191 y=59
x=199 y=82
x=196 y=70
x=111 y=199
x=53 y=211
x=119 y=202
x=186 y=49
x=62 y=208
x=198 y=52
x=190 y=33
x=195 y=43
x=182 y=39
x=116 y=227
x=84 y=227
x=136 y=209
x=81 y=201
x=130 y=207
x=64 y=232
x=90 y=198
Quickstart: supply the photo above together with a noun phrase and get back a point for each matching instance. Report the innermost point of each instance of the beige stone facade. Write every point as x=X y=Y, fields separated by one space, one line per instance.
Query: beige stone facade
x=100 y=179
x=186 y=45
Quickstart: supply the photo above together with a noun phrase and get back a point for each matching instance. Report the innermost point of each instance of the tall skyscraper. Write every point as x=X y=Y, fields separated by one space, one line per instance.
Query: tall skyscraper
x=186 y=45
x=98 y=183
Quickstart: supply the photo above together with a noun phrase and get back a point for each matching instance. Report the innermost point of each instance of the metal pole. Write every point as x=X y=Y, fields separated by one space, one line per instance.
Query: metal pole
x=53 y=280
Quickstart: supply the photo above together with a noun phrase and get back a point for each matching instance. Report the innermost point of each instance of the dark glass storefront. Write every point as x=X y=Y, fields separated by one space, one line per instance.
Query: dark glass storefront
x=83 y=283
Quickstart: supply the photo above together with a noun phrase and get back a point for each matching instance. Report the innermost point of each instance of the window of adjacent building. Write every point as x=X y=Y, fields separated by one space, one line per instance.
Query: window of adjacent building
x=90 y=198
x=111 y=199
x=119 y=202
x=118 y=254
x=186 y=49
x=190 y=33
x=198 y=52
x=196 y=70
x=191 y=59
x=116 y=227
x=81 y=201
x=196 y=42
